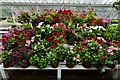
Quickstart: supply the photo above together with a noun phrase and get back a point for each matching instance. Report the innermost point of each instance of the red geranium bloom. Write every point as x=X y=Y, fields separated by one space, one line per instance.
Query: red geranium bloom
x=54 y=45
x=56 y=41
x=118 y=43
x=21 y=41
x=60 y=42
x=79 y=49
x=105 y=55
x=100 y=41
x=50 y=38
x=61 y=24
x=100 y=59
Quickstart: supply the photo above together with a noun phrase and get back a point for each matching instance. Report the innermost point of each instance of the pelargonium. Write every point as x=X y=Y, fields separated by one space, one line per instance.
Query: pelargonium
x=20 y=53
x=17 y=36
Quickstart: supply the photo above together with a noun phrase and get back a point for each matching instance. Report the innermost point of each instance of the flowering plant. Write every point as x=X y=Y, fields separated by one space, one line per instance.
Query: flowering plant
x=17 y=42
x=61 y=35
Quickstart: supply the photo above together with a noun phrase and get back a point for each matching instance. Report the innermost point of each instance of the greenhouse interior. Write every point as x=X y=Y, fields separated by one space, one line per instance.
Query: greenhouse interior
x=59 y=39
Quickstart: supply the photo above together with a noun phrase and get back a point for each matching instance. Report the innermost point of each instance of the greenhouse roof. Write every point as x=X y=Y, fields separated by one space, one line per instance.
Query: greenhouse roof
x=61 y=1
x=8 y=8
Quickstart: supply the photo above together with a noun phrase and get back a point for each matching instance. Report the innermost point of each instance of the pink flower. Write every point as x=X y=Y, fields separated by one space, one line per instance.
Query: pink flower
x=111 y=48
x=32 y=39
x=61 y=24
x=74 y=58
x=66 y=29
x=28 y=41
x=27 y=45
x=78 y=60
x=53 y=25
x=64 y=61
x=110 y=53
x=111 y=43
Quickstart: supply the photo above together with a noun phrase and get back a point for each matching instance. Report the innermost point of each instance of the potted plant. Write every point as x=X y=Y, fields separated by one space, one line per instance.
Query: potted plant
x=39 y=60
x=113 y=57
x=0 y=54
x=53 y=58
x=6 y=58
x=70 y=62
x=91 y=53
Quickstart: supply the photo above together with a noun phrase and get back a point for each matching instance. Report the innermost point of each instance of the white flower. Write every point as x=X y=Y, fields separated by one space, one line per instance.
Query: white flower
x=38 y=43
x=48 y=25
x=56 y=24
x=35 y=47
x=40 y=23
x=90 y=30
x=43 y=30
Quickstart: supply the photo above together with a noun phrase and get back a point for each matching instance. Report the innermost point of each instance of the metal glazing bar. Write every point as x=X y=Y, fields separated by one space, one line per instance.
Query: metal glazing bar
x=60 y=4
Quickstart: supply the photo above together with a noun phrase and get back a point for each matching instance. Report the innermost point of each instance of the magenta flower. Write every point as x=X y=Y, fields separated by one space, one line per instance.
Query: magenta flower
x=106 y=20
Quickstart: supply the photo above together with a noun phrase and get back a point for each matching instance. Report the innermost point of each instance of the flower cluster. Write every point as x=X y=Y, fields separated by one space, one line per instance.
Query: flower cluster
x=73 y=36
x=18 y=40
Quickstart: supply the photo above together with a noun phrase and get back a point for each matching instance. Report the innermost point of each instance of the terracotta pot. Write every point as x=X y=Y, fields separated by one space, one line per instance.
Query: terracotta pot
x=54 y=65
x=69 y=65
x=6 y=64
x=110 y=65
x=25 y=64
x=99 y=65
x=86 y=64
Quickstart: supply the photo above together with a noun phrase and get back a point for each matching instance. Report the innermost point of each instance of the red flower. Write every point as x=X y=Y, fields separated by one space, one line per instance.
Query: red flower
x=17 y=33
x=65 y=40
x=4 y=40
x=61 y=24
x=63 y=34
x=118 y=43
x=27 y=36
x=57 y=34
x=94 y=37
x=79 y=49
x=100 y=59
x=50 y=38
x=105 y=55
x=21 y=41
x=83 y=43
x=56 y=41
x=60 y=42
x=83 y=26
x=84 y=46
x=54 y=45
x=100 y=41
x=66 y=29
x=76 y=41
x=111 y=43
